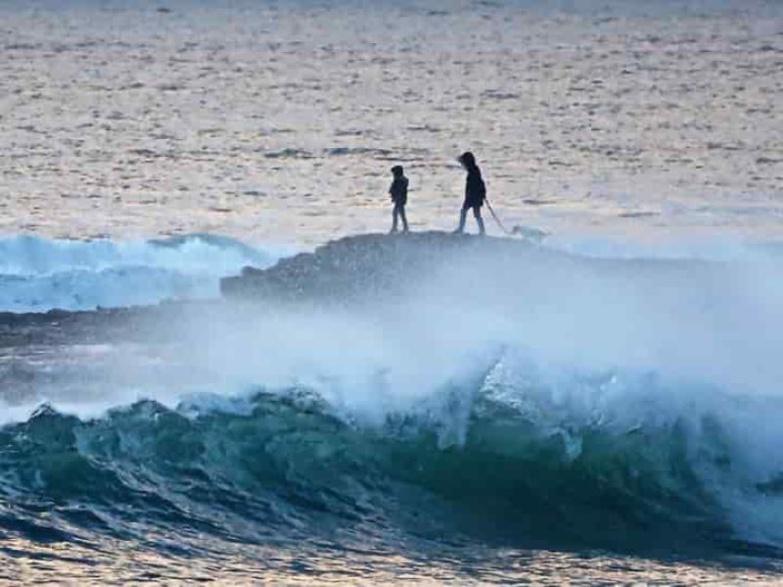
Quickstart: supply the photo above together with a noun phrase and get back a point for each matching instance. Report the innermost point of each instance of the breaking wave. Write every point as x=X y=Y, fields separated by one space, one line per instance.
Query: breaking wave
x=38 y=274
x=510 y=456
x=583 y=403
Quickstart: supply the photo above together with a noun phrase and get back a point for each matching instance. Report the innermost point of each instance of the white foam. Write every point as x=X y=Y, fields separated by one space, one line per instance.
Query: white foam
x=615 y=345
x=707 y=247
x=39 y=274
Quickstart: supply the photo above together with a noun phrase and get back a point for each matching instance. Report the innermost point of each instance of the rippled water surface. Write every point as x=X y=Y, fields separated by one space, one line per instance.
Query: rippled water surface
x=280 y=120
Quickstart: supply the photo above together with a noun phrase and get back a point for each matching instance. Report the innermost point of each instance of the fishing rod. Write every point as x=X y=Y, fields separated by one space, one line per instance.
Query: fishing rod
x=497 y=219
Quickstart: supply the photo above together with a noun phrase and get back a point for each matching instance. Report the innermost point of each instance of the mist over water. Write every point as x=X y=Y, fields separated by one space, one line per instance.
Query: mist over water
x=624 y=391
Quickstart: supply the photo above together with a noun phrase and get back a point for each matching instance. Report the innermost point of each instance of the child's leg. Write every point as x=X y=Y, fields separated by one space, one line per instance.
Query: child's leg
x=394 y=218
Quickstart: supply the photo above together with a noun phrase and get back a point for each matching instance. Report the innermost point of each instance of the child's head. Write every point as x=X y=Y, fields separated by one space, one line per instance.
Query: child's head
x=397 y=171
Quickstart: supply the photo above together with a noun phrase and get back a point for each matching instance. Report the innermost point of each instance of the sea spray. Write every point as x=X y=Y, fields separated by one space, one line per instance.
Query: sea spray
x=38 y=274
x=515 y=395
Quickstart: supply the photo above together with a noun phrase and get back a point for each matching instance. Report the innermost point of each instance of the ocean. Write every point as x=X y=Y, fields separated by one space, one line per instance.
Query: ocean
x=596 y=402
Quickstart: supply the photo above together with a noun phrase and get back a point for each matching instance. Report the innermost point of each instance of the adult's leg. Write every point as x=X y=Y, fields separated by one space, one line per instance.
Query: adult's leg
x=463 y=214
x=479 y=219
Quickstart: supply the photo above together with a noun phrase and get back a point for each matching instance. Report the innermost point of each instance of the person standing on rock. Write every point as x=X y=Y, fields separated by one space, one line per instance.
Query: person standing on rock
x=475 y=192
x=399 y=196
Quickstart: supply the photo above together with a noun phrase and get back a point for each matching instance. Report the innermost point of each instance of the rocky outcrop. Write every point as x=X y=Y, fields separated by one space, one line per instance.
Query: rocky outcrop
x=362 y=267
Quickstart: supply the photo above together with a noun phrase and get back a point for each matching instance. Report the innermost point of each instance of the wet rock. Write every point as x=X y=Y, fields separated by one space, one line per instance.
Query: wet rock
x=360 y=267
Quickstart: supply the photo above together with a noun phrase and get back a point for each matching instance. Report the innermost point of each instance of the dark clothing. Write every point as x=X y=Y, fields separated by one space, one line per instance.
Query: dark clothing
x=399 y=212
x=476 y=214
x=399 y=195
x=475 y=194
x=399 y=191
x=475 y=190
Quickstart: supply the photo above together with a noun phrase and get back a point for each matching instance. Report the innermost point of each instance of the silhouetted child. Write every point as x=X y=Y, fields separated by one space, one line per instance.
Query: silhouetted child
x=399 y=195
x=475 y=192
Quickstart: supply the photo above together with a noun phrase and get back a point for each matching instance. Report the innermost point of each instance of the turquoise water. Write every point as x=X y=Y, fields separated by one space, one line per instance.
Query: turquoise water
x=277 y=487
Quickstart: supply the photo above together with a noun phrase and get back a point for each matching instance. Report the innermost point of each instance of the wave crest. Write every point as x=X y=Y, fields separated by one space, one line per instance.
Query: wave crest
x=246 y=468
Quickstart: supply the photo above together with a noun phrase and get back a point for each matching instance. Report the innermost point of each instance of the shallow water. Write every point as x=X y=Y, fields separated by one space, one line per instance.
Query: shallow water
x=122 y=562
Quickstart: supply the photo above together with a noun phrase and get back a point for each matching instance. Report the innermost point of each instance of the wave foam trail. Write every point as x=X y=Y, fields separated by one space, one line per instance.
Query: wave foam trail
x=38 y=274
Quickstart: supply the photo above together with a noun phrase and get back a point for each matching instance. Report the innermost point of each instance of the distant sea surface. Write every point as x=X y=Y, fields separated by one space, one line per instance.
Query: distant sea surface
x=280 y=120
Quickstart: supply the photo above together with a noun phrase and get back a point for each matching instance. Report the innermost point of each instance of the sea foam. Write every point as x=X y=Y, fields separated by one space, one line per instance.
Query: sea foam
x=38 y=274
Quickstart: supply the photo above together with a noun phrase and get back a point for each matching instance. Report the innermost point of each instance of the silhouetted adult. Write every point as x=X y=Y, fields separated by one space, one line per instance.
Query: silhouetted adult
x=475 y=192
x=399 y=195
